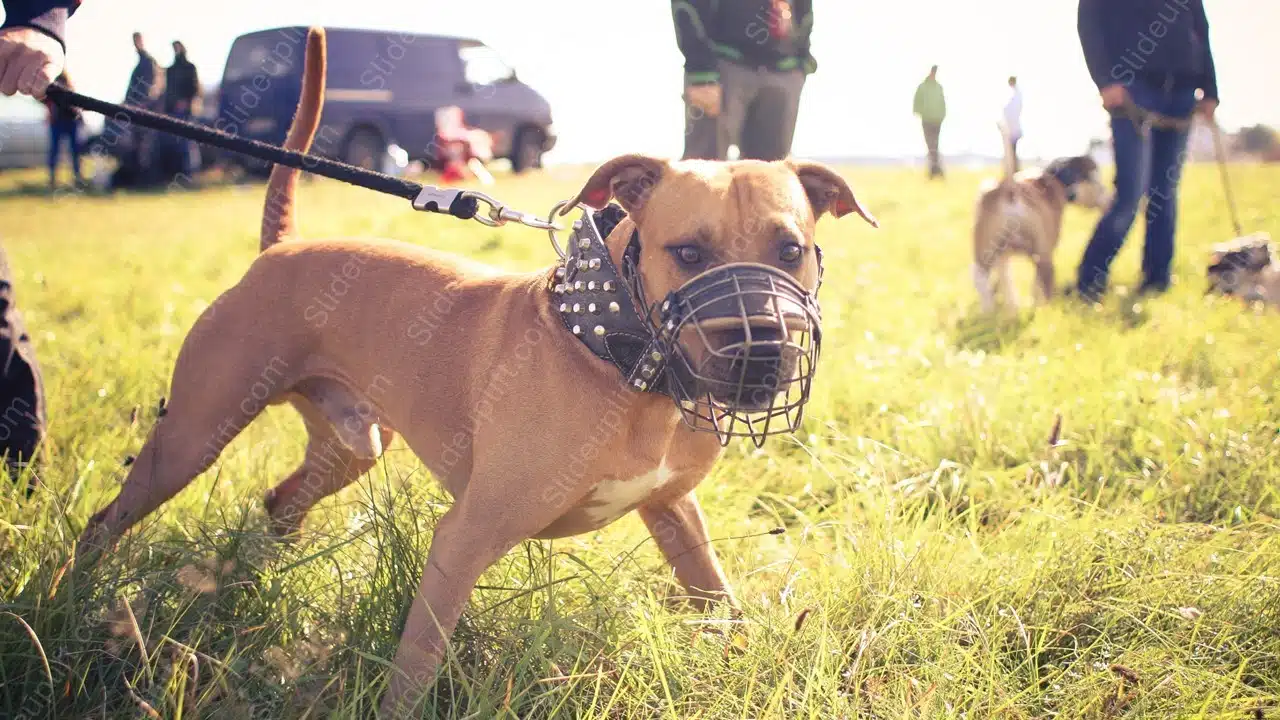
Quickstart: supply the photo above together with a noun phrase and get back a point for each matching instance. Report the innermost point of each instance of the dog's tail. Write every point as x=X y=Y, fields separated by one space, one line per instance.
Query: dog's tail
x=278 y=220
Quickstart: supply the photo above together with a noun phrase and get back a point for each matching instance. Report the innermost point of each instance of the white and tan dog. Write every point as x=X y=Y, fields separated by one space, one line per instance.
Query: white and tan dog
x=424 y=339
x=1021 y=214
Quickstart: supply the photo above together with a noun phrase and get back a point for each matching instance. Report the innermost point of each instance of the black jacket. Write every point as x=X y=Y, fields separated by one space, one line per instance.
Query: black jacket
x=142 y=81
x=738 y=31
x=47 y=16
x=1128 y=39
x=181 y=82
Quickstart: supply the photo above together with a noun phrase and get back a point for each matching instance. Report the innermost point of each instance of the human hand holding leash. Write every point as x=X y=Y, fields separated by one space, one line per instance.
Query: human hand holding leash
x=1114 y=96
x=706 y=98
x=29 y=61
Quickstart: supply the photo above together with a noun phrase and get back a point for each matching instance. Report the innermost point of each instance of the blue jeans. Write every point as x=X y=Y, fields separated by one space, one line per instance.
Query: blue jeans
x=1149 y=167
x=58 y=131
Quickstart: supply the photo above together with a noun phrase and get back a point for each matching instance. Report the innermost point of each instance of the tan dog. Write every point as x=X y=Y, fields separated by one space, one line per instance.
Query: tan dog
x=461 y=360
x=1021 y=214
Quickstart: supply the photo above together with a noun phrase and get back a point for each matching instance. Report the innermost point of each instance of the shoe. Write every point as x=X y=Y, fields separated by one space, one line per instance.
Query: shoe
x=1152 y=287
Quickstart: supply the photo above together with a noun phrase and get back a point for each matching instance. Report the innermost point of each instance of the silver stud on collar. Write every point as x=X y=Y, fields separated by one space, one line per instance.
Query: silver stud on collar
x=640 y=385
x=578 y=286
x=657 y=356
x=594 y=263
x=582 y=264
x=609 y=286
x=591 y=284
x=564 y=307
x=577 y=224
x=598 y=330
x=615 y=307
x=584 y=243
x=559 y=288
x=577 y=329
x=593 y=309
x=666 y=304
x=646 y=370
x=560 y=273
x=577 y=307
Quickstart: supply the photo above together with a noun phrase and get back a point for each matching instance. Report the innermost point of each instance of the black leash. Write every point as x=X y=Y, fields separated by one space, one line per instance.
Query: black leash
x=462 y=204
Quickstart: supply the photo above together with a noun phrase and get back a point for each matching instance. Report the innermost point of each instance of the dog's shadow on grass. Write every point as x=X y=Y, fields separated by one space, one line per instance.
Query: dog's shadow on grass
x=988 y=332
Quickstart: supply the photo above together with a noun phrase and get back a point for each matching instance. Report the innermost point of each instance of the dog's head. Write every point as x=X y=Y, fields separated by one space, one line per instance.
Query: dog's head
x=1236 y=268
x=725 y=259
x=1080 y=178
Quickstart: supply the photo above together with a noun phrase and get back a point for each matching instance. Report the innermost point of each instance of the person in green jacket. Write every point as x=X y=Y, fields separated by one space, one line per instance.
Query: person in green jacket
x=930 y=105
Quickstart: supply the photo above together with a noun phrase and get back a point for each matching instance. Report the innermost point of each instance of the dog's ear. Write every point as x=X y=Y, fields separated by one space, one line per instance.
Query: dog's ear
x=827 y=191
x=629 y=178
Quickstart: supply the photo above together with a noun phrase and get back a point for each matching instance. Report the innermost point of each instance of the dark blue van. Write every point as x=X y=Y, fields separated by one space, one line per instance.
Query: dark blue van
x=382 y=88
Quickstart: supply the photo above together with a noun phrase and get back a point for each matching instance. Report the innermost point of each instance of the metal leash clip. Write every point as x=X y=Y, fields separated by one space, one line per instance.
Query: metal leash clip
x=500 y=214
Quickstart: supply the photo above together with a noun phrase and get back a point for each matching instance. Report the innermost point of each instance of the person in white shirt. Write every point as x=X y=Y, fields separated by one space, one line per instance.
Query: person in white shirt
x=1011 y=123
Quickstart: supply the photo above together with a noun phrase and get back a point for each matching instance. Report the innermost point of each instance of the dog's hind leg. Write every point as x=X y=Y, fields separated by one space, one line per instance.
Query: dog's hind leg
x=213 y=398
x=1044 y=278
x=1007 y=292
x=343 y=444
x=982 y=283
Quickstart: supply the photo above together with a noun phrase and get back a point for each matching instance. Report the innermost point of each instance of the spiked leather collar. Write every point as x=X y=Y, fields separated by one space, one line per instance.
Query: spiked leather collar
x=604 y=305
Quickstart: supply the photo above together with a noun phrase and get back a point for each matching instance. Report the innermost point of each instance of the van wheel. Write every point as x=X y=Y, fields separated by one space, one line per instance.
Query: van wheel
x=526 y=151
x=364 y=149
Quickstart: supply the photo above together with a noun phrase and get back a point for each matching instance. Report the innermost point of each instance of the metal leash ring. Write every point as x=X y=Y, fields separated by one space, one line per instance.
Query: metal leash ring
x=560 y=208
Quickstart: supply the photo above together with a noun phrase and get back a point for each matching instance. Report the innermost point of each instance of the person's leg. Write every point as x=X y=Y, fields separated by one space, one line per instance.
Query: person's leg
x=1168 y=152
x=931 y=132
x=739 y=88
x=22 y=412
x=55 y=140
x=770 y=124
x=73 y=137
x=1013 y=148
x=1111 y=230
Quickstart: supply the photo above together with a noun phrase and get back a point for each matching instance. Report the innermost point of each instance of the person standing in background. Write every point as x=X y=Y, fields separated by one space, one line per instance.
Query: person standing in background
x=745 y=66
x=930 y=105
x=1011 y=121
x=181 y=94
x=32 y=54
x=64 y=123
x=1166 y=81
x=143 y=87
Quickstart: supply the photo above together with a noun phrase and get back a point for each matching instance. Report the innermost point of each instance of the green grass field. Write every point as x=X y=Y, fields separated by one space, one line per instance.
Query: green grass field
x=940 y=558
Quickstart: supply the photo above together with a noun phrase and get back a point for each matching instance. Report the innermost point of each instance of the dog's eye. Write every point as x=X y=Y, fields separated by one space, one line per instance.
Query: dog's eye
x=790 y=253
x=688 y=254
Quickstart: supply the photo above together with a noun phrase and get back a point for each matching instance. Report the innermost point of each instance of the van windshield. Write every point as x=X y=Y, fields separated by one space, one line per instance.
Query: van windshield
x=482 y=65
x=260 y=55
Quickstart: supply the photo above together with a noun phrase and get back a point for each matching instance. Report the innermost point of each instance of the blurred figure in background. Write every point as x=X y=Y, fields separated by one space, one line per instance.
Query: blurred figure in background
x=1011 y=120
x=65 y=123
x=745 y=66
x=142 y=81
x=1166 y=81
x=181 y=95
x=930 y=105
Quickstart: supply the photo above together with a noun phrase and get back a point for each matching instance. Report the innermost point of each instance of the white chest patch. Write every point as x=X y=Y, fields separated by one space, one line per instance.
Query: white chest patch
x=612 y=498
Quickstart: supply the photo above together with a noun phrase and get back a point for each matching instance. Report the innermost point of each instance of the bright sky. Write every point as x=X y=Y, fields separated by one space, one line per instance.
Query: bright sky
x=612 y=73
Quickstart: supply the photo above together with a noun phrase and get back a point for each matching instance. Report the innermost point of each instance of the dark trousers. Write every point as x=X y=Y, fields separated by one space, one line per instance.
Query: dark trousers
x=58 y=131
x=1147 y=167
x=1013 y=150
x=22 y=412
x=932 y=130
x=758 y=113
